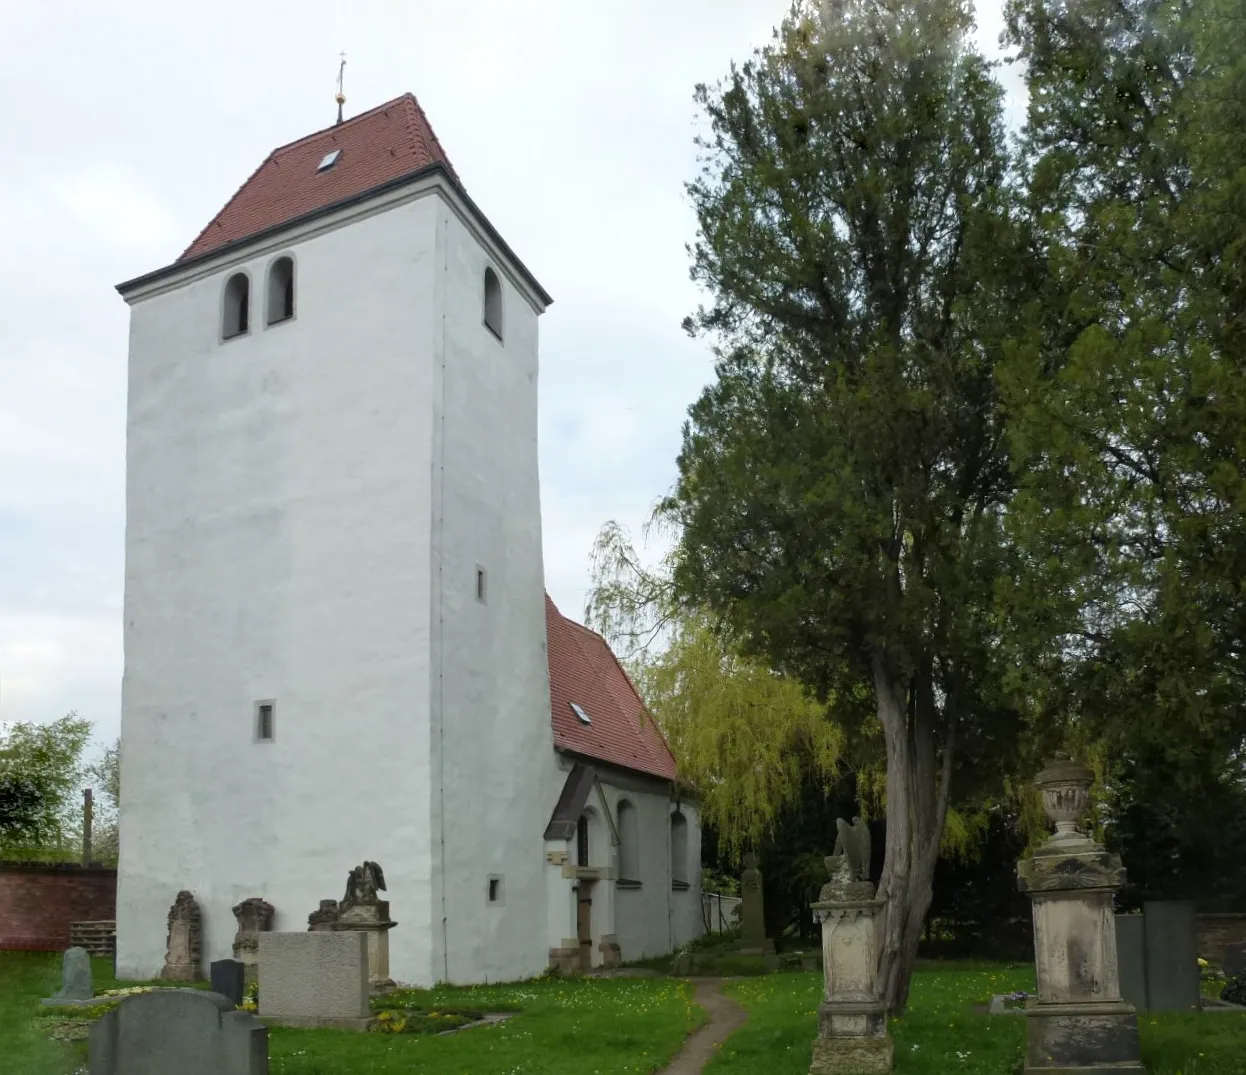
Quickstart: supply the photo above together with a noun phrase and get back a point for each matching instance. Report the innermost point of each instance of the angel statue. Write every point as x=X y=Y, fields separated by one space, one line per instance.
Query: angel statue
x=362 y=884
x=849 y=862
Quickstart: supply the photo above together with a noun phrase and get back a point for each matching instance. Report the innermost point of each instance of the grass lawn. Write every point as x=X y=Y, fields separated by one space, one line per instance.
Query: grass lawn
x=942 y=1033
x=623 y=1026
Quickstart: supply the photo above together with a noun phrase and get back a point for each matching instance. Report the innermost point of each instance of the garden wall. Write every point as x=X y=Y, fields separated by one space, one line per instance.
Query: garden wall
x=39 y=901
x=1217 y=930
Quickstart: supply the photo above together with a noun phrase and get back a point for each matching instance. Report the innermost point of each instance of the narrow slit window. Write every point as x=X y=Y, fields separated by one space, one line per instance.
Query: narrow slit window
x=495 y=890
x=581 y=841
x=281 y=291
x=265 y=721
x=237 y=312
x=493 y=303
x=481 y=584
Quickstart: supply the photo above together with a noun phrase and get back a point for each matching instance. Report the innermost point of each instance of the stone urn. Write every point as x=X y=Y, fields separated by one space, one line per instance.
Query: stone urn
x=1065 y=785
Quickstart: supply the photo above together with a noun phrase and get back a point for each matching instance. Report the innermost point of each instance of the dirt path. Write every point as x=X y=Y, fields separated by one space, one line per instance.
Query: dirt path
x=725 y=1016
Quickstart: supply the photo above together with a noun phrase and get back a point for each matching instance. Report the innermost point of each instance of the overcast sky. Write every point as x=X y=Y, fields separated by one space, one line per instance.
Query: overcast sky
x=129 y=124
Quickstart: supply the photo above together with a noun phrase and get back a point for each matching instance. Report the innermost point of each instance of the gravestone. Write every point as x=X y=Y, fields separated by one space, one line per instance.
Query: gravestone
x=186 y=1031
x=1131 y=958
x=76 y=987
x=229 y=979
x=753 y=938
x=852 y=1018
x=255 y=916
x=182 y=954
x=1234 y=960
x=315 y=979
x=1078 y=1022
x=323 y=917
x=1172 y=973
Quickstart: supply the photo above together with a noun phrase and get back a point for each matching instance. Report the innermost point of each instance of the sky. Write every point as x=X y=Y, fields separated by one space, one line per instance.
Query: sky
x=129 y=124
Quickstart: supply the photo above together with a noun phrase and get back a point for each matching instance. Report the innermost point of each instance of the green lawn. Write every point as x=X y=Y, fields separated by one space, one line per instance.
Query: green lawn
x=624 y=1026
x=942 y=1033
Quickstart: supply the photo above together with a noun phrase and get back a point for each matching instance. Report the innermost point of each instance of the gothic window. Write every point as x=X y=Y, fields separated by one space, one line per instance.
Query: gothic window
x=581 y=841
x=679 y=851
x=629 y=842
x=493 y=303
x=281 y=290
x=236 y=318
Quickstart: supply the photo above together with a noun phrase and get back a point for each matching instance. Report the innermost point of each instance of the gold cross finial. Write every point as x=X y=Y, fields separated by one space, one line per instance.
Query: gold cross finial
x=341 y=97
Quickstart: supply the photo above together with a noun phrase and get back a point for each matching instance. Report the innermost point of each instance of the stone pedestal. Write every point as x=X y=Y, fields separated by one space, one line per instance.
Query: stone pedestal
x=372 y=919
x=852 y=1020
x=1078 y=1025
x=255 y=916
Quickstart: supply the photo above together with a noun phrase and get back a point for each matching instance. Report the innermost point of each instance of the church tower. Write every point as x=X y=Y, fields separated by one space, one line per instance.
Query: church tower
x=335 y=637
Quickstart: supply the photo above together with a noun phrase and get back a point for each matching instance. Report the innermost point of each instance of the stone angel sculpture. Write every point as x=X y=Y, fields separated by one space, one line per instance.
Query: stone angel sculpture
x=363 y=883
x=849 y=862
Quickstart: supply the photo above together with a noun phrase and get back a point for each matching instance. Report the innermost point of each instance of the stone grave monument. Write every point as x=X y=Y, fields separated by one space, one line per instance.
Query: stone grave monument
x=321 y=920
x=753 y=939
x=76 y=988
x=228 y=978
x=315 y=979
x=187 y=1031
x=1078 y=1024
x=852 y=1018
x=1157 y=952
x=362 y=910
x=183 y=952
x=255 y=916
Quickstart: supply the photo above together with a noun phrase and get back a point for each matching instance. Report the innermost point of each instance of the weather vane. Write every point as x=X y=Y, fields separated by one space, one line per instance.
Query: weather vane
x=341 y=97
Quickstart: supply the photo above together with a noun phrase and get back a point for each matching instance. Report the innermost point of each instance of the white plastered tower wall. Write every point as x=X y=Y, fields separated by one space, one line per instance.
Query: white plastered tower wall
x=306 y=505
x=490 y=672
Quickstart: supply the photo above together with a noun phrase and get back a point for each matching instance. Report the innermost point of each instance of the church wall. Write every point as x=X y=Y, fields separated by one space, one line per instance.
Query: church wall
x=655 y=918
x=490 y=700
x=277 y=547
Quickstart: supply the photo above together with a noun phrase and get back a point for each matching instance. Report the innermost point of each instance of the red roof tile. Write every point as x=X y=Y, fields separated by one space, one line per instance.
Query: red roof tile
x=582 y=669
x=384 y=144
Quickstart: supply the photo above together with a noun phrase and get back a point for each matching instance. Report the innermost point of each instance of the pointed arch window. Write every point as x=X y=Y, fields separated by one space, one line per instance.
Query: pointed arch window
x=281 y=290
x=679 y=851
x=629 y=843
x=236 y=315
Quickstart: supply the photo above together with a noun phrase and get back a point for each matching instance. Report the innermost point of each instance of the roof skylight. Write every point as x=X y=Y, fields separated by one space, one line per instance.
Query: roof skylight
x=328 y=160
x=578 y=710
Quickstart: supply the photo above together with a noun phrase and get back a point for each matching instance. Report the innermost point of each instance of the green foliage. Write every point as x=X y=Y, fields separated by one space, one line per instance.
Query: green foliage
x=842 y=483
x=48 y=759
x=1234 y=990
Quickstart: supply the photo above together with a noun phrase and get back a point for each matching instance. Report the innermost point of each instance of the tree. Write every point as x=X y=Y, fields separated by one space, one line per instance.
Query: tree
x=1128 y=409
x=745 y=737
x=105 y=772
x=45 y=760
x=841 y=486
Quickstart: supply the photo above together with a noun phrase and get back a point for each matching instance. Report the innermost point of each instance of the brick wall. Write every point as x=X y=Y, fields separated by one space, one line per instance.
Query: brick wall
x=38 y=901
x=1217 y=930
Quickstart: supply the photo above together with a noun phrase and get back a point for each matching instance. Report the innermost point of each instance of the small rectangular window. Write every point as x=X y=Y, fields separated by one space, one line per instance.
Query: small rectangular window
x=481 y=580
x=495 y=890
x=265 y=713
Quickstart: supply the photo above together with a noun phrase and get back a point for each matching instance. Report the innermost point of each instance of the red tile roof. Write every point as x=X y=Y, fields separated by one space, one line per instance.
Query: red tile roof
x=582 y=669
x=385 y=144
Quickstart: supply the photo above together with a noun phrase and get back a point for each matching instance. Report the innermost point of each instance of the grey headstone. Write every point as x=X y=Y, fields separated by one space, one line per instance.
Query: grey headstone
x=1234 y=960
x=1172 y=956
x=75 y=978
x=1131 y=958
x=228 y=979
x=187 y=1031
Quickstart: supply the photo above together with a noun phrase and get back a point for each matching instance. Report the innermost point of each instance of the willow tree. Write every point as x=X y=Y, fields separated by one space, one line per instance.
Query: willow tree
x=841 y=483
x=747 y=738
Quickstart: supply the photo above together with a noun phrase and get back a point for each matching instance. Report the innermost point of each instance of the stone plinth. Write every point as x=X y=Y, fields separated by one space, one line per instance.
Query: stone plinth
x=1078 y=1024
x=255 y=916
x=852 y=1019
x=372 y=919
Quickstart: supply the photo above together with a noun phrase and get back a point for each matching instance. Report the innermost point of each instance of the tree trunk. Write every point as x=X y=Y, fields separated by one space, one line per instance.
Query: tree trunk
x=918 y=790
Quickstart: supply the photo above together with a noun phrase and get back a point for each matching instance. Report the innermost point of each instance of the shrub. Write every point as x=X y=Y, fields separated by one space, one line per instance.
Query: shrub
x=1234 y=990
